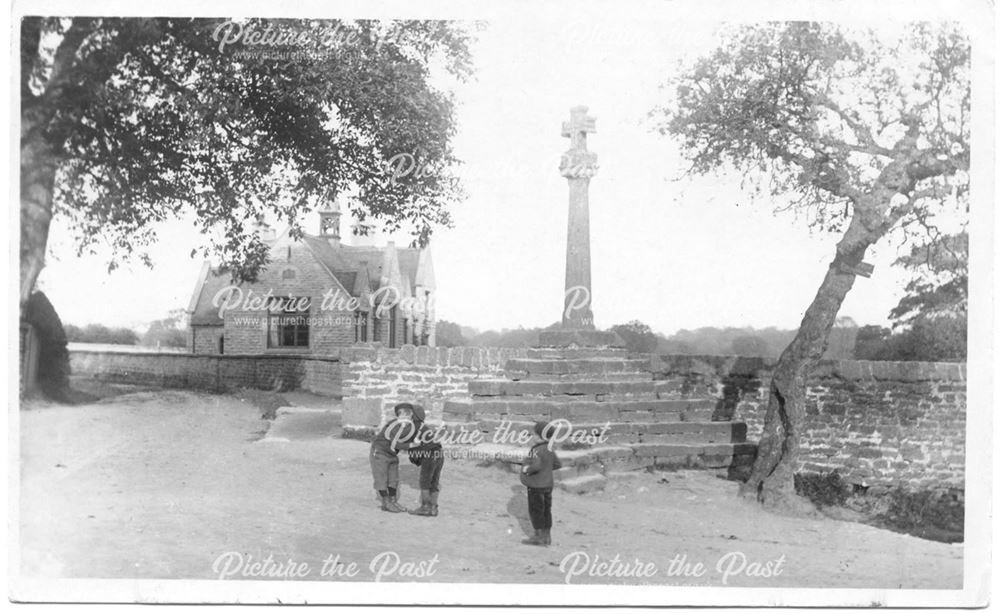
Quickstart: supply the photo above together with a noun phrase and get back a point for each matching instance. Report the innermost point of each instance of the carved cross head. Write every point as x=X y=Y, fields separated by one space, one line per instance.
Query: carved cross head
x=578 y=126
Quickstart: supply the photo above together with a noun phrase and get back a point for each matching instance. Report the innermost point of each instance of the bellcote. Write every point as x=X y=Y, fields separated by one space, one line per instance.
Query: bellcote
x=329 y=221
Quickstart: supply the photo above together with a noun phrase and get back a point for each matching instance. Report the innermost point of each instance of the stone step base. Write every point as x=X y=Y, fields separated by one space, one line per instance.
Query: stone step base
x=602 y=390
x=593 y=434
x=576 y=353
x=577 y=409
x=579 y=339
x=736 y=459
x=525 y=376
x=565 y=366
x=696 y=456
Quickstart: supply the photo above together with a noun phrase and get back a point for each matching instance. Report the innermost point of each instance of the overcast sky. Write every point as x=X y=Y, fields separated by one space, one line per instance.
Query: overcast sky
x=672 y=253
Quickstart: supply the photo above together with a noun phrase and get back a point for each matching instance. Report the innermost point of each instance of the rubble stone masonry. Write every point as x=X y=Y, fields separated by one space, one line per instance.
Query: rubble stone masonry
x=876 y=423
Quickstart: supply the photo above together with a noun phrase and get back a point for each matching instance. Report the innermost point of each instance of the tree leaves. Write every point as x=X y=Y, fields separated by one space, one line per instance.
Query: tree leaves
x=149 y=119
x=824 y=112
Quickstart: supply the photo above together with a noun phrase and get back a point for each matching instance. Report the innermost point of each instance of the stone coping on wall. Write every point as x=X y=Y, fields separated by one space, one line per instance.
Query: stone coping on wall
x=693 y=364
x=154 y=354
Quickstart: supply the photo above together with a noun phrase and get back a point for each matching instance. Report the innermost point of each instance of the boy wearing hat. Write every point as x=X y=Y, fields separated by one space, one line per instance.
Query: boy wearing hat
x=395 y=435
x=536 y=474
x=427 y=454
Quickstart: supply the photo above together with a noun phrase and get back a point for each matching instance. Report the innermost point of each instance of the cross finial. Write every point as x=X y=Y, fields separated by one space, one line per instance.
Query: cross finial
x=578 y=126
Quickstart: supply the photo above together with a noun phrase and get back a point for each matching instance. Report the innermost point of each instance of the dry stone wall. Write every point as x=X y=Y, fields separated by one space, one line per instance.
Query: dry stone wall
x=875 y=423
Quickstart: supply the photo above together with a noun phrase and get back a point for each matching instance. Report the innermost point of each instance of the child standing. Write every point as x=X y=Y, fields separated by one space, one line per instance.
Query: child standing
x=384 y=456
x=536 y=474
x=429 y=456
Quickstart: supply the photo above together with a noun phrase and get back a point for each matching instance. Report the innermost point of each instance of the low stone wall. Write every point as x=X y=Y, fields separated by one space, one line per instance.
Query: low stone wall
x=876 y=423
x=215 y=373
x=424 y=374
x=370 y=378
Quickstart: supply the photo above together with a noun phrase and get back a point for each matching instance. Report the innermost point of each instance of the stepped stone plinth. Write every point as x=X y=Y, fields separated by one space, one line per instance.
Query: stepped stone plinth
x=625 y=420
x=568 y=338
x=633 y=421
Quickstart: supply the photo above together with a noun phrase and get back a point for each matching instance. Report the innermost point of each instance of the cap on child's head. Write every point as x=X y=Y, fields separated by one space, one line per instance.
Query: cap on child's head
x=402 y=407
x=542 y=430
x=418 y=412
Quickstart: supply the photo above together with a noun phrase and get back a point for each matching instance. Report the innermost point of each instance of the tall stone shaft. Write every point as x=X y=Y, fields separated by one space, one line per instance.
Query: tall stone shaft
x=578 y=165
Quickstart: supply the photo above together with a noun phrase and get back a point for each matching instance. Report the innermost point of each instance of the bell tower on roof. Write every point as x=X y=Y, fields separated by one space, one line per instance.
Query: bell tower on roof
x=329 y=221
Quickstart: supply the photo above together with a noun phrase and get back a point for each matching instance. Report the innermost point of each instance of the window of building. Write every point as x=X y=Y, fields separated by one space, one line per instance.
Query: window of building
x=287 y=325
x=288 y=274
x=360 y=327
x=376 y=332
x=392 y=326
x=222 y=344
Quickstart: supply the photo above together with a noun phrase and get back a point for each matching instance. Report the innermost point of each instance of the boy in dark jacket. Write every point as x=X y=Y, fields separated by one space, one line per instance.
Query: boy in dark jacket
x=536 y=474
x=395 y=435
x=427 y=454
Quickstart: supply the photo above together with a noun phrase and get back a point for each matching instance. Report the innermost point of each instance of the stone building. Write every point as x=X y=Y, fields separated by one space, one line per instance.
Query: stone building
x=316 y=294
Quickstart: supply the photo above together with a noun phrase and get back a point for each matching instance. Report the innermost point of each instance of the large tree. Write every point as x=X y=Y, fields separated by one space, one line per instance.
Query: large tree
x=861 y=131
x=126 y=122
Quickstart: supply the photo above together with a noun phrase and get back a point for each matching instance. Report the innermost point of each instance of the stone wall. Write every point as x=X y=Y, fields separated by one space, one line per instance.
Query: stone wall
x=205 y=339
x=213 y=373
x=884 y=423
x=370 y=378
x=876 y=423
x=427 y=375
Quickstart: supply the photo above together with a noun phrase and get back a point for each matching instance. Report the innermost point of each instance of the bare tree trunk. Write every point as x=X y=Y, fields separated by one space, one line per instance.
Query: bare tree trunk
x=38 y=170
x=772 y=478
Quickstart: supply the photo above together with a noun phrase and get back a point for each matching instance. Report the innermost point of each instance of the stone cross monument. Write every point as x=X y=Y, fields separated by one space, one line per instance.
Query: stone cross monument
x=578 y=165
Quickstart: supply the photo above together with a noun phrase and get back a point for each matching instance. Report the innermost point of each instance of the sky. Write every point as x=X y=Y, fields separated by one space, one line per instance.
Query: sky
x=675 y=253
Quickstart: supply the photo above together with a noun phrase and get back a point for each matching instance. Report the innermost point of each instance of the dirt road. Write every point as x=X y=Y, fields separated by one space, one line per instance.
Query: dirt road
x=172 y=484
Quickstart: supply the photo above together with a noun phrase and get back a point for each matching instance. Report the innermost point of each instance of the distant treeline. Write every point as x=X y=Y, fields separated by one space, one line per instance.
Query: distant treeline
x=168 y=332
x=940 y=339
x=933 y=339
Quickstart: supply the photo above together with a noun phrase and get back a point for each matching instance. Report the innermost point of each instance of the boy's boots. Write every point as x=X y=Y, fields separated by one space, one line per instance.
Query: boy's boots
x=425 y=505
x=535 y=540
x=547 y=536
x=390 y=505
x=394 y=495
x=434 y=502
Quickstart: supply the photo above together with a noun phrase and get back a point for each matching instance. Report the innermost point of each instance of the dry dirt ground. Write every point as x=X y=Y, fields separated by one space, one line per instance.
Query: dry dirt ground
x=163 y=484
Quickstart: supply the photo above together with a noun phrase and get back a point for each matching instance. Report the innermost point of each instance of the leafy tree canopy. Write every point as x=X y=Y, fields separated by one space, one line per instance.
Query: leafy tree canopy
x=940 y=286
x=448 y=334
x=832 y=118
x=143 y=119
x=638 y=337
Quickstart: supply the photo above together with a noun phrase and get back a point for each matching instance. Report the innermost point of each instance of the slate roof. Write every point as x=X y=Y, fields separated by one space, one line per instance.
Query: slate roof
x=343 y=261
x=205 y=313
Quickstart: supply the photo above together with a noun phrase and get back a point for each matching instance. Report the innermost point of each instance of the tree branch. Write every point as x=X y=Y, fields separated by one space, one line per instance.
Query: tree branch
x=861 y=131
x=31 y=33
x=65 y=55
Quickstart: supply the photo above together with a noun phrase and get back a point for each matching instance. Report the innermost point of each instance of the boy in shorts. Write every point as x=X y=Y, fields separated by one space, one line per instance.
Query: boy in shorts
x=384 y=456
x=429 y=456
